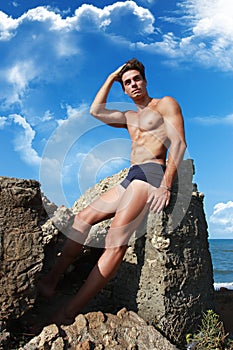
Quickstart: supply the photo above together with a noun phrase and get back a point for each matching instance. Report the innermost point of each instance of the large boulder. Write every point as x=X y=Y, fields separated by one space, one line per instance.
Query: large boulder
x=167 y=275
x=20 y=245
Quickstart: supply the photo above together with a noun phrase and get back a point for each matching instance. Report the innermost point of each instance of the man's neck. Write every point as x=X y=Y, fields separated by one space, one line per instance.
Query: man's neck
x=142 y=102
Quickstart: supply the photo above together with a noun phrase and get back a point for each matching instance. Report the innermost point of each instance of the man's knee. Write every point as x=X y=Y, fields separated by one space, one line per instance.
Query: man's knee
x=82 y=222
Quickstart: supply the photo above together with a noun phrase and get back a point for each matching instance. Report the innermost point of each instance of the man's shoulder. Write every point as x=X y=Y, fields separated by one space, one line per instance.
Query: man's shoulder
x=168 y=103
x=167 y=100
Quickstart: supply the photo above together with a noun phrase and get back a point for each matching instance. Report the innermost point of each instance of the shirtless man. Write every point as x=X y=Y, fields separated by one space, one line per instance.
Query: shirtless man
x=156 y=126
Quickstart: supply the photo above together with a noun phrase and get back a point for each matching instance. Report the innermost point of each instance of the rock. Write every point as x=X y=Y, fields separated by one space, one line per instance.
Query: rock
x=97 y=330
x=165 y=280
x=21 y=245
x=181 y=288
x=25 y=232
x=166 y=276
x=57 y=221
x=49 y=207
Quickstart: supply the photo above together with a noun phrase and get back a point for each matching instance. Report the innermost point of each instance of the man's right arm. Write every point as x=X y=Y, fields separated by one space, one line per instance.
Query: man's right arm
x=98 y=108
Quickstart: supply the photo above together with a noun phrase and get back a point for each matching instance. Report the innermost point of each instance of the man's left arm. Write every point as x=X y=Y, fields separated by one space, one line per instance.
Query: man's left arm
x=174 y=127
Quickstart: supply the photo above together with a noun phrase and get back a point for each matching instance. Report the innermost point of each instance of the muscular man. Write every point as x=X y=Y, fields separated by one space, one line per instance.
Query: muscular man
x=155 y=126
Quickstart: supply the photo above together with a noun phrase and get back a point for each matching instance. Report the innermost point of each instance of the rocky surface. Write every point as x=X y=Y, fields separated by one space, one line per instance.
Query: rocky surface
x=168 y=271
x=99 y=331
x=166 y=277
x=21 y=247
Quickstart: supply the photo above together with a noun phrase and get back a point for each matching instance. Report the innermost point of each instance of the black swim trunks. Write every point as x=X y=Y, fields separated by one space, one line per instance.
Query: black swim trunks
x=149 y=172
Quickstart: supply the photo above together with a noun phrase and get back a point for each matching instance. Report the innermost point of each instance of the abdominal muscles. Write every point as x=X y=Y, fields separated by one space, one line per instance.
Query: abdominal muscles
x=147 y=149
x=149 y=140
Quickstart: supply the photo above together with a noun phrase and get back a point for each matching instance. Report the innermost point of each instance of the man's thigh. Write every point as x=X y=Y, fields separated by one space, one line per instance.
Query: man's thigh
x=129 y=214
x=133 y=201
x=109 y=201
x=102 y=208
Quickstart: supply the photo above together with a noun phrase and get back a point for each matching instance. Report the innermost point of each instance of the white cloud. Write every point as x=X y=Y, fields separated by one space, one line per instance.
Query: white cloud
x=168 y=46
x=112 y=17
x=23 y=141
x=47 y=116
x=211 y=26
x=19 y=75
x=211 y=17
x=206 y=35
x=215 y=120
x=86 y=17
x=52 y=39
x=3 y=122
x=68 y=126
x=43 y=40
x=7 y=26
x=222 y=217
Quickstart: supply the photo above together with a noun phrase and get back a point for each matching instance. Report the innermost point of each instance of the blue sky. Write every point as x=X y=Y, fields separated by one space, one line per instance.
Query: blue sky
x=56 y=54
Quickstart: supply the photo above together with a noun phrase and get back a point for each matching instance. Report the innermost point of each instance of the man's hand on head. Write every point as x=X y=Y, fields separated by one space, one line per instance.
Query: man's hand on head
x=117 y=71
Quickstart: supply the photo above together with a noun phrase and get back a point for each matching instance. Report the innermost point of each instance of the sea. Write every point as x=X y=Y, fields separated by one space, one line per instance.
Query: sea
x=221 y=251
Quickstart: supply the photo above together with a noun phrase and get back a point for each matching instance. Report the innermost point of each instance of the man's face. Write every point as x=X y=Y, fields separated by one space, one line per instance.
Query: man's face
x=134 y=84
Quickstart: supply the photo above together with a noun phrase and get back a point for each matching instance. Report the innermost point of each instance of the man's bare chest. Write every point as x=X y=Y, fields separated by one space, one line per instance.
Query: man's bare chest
x=145 y=121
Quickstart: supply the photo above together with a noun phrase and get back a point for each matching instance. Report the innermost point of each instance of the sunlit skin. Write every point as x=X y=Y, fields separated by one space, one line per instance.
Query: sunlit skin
x=156 y=125
x=146 y=126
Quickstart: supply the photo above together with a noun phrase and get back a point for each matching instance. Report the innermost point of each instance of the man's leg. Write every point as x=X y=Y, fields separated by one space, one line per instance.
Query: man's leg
x=130 y=212
x=102 y=208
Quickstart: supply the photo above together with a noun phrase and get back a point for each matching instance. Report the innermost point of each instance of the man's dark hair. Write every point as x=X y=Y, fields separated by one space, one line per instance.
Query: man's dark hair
x=131 y=65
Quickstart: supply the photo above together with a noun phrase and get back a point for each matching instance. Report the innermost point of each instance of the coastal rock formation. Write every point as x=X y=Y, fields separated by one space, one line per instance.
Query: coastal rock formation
x=166 y=276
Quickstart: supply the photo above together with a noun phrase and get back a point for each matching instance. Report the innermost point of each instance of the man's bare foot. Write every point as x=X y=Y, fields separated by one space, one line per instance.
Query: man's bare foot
x=45 y=289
